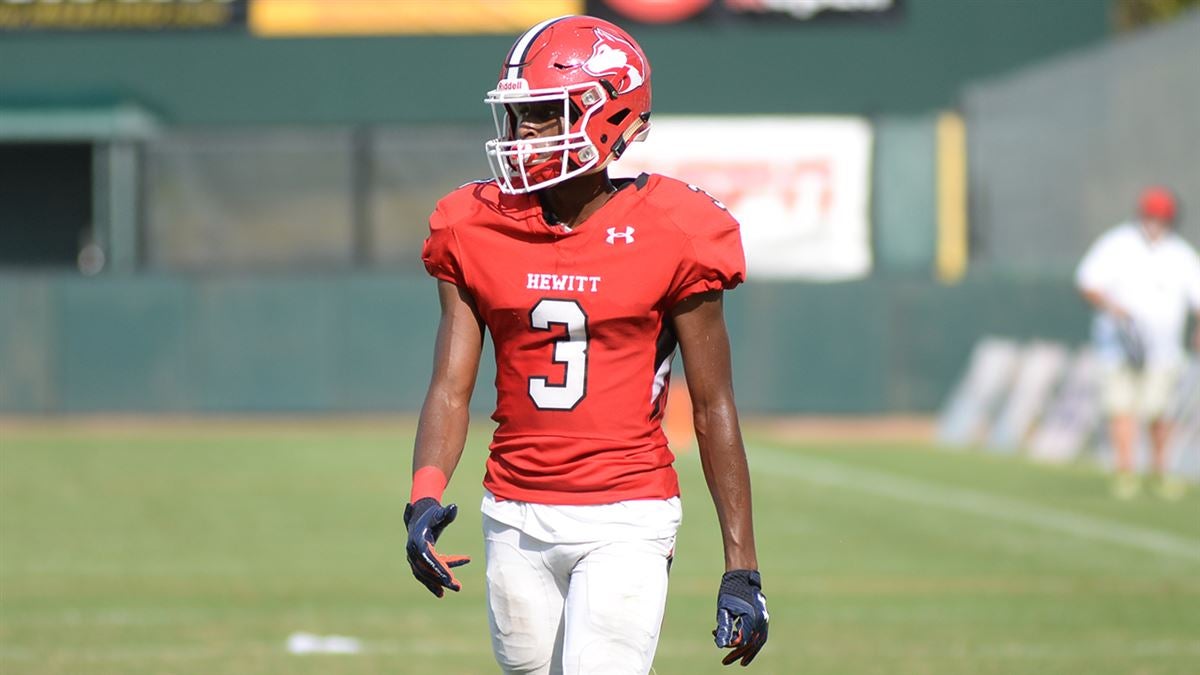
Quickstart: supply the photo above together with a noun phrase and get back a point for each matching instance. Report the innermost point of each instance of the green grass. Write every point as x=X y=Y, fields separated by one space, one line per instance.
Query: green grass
x=201 y=550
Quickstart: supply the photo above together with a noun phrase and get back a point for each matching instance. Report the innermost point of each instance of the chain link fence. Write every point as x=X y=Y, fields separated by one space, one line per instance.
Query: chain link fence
x=313 y=198
x=1058 y=153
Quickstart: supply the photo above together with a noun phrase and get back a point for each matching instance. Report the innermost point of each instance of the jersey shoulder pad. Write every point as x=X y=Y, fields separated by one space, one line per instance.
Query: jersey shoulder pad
x=465 y=203
x=689 y=207
x=480 y=203
x=441 y=252
x=712 y=257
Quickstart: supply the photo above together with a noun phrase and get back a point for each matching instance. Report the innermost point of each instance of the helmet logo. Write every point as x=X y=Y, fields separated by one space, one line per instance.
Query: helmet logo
x=615 y=57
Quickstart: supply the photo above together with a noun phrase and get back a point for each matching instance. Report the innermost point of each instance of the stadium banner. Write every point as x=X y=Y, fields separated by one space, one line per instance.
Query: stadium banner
x=773 y=12
x=800 y=186
x=1073 y=416
x=324 y=18
x=1039 y=372
x=966 y=417
x=1185 y=415
x=121 y=15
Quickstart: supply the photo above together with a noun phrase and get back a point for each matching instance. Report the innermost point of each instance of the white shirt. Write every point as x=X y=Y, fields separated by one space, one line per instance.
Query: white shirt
x=1155 y=282
x=630 y=520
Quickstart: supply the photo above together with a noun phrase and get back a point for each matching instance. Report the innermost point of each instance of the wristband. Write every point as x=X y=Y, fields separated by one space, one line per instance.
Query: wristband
x=428 y=481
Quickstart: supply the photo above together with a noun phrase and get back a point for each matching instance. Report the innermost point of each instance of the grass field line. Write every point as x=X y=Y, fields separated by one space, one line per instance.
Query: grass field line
x=973 y=502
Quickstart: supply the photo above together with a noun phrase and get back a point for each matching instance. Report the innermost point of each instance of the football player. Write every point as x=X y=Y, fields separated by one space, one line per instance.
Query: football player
x=586 y=284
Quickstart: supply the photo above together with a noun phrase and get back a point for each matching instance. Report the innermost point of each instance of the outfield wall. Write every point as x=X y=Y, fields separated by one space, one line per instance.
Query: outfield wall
x=361 y=342
x=207 y=78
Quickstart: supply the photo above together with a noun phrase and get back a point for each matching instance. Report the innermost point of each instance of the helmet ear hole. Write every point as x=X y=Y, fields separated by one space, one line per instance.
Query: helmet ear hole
x=619 y=116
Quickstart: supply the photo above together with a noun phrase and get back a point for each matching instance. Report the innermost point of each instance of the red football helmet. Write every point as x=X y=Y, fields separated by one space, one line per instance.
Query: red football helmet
x=602 y=79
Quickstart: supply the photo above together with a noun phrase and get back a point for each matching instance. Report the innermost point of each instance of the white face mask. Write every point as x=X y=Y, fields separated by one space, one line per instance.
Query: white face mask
x=522 y=166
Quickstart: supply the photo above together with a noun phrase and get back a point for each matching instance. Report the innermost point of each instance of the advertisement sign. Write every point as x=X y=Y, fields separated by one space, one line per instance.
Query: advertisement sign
x=1073 y=416
x=107 y=15
x=1040 y=370
x=1184 y=450
x=737 y=11
x=799 y=186
x=966 y=417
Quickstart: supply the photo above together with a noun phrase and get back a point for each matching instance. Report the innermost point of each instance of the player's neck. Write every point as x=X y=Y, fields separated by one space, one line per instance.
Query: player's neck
x=572 y=202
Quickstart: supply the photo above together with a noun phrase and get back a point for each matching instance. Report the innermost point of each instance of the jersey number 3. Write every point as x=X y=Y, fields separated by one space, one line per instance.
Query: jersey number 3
x=569 y=350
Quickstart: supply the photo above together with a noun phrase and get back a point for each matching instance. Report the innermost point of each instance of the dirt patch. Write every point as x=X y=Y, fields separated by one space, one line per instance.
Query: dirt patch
x=914 y=429
x=891 y=428
x=201 y=426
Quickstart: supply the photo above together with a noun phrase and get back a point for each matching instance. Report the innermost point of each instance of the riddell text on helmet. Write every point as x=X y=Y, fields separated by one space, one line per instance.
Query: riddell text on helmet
x=514 y=84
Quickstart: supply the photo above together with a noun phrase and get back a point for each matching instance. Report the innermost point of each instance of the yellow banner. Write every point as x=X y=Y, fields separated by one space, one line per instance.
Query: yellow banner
x=953 y=254
x=304 y=18
x=101 y=15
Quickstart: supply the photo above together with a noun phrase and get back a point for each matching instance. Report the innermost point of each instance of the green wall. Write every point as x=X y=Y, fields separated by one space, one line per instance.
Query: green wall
x=904 y=195
x=913 y=65
x=364 y=343
x=350 y=342
x=158 y=343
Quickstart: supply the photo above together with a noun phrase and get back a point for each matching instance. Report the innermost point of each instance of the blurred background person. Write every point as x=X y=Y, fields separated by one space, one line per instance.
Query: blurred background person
x=1142 y=278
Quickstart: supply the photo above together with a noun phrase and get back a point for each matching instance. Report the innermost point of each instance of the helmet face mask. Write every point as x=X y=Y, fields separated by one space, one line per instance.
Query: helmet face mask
x=601 y=79
x=523 y=165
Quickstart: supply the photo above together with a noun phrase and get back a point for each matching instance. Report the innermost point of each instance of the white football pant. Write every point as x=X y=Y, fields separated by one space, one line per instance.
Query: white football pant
x=577 y=608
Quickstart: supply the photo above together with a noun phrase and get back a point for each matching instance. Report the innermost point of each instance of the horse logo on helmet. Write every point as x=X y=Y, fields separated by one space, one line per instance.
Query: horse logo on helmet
x=615 y=57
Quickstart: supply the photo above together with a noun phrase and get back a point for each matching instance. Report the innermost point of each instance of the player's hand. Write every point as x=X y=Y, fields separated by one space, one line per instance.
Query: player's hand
x=1117 y=312
x=741 y=616
x=425 y=521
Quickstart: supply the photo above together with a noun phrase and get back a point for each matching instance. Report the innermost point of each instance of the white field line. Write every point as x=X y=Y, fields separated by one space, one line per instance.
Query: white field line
x=973 y=502
x=195 y=652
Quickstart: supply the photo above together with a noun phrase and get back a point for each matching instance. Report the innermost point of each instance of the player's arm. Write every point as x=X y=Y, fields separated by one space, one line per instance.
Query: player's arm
x=441 y=436
x=442 y=427
x=741 y=608
x=1129 y=336
x=1193 y=293
x=1196 y=332
x=700 y=326
x=1094 y=274
x=1101 y=302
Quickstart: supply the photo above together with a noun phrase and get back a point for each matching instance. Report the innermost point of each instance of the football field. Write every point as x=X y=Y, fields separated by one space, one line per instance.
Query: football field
x=200 y=547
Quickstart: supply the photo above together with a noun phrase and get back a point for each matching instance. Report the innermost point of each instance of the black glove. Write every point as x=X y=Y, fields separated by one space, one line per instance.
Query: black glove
x=741 y=616
x=425 y=521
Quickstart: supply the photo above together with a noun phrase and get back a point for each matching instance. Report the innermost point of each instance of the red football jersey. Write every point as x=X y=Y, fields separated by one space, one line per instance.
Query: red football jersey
x=580 y=321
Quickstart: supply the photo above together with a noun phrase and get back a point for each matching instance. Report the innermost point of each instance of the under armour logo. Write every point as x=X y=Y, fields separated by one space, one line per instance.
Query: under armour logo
x=613 y=235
